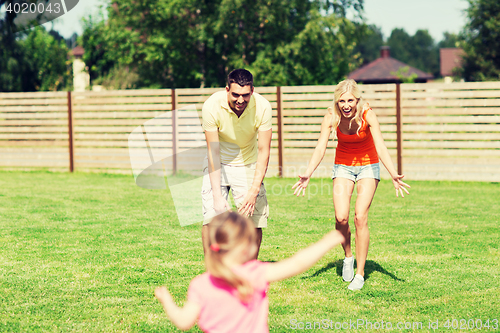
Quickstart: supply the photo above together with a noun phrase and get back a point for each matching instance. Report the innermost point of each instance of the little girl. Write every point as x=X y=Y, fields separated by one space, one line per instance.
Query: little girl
x=232 y=295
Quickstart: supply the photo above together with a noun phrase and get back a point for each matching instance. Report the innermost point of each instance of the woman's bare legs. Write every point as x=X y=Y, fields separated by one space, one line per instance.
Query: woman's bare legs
x=342 y=192
x=366 y=190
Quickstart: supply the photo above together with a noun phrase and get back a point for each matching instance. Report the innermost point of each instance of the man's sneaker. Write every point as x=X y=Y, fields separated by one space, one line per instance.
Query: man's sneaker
x=357 y=283
x=348 y=269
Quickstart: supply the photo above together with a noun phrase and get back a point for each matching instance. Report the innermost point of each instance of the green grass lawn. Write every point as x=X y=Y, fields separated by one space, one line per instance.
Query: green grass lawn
x=84 y=252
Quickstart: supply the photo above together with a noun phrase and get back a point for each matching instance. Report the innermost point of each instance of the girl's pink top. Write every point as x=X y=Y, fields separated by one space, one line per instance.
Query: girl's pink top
x=222 y=310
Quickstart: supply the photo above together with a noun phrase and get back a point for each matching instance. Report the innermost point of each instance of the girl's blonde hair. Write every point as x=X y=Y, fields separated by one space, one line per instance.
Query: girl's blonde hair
x=226 y=231
x=342 y=88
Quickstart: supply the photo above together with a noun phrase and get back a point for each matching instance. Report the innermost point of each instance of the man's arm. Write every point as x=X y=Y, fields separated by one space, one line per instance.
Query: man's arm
x=264 y=150
x=214 y=166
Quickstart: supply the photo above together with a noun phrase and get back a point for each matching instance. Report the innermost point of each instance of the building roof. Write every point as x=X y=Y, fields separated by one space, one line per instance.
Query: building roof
x=450 y=59
x=78 y=52
x=383 y=70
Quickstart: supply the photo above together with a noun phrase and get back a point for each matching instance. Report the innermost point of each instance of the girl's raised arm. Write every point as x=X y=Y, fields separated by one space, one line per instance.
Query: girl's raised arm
x=184 y=318
x=304 y=259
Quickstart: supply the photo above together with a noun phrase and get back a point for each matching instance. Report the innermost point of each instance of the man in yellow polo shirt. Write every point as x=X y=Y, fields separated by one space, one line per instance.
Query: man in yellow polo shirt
x=232 y=119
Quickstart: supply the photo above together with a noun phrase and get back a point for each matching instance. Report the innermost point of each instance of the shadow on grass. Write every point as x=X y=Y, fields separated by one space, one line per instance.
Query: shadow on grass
x=370 y=267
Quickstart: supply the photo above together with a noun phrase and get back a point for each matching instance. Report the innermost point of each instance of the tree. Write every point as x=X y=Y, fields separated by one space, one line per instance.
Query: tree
x=47 y=60
x=401 y=45
x=157 y=39
x=11 y=62
x=97 y=54
x=36 y=62
x=418 y=51
x=322 y=53
x=403 y=74
x=30 y=60
x=449 y=40
x=172 y=43
x=481 y=41
x=369 y=46
x=11 y=68
x=426 y=54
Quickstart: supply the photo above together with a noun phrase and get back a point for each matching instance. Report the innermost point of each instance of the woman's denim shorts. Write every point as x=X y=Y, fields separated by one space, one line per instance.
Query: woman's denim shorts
x=356 y=173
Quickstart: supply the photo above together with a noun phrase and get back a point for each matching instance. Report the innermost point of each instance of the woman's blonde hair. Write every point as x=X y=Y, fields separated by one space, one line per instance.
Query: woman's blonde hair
x=226 y=231
x=342 y=88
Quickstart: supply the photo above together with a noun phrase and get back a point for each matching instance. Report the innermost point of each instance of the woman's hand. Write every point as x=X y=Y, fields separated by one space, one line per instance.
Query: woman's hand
x=399 y=185
x=301 y=185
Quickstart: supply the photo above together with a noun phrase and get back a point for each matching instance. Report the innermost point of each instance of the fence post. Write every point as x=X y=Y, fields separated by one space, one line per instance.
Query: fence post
x=174 y=131
x=280 y=130
x=70 y=134
x=399 y=129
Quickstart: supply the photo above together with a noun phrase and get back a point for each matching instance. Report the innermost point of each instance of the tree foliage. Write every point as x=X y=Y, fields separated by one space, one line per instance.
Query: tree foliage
x=418 y=51
x=192 y=43
x=403 y=74
x=46 y=60
x=93 y=40
x=37 y=61
x=370 y=44
x=481 y=41
x=449 y=40
x=31 y=60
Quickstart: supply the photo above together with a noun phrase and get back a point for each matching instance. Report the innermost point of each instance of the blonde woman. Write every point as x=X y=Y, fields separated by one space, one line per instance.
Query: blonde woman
x=232 y=295
x=359 y=149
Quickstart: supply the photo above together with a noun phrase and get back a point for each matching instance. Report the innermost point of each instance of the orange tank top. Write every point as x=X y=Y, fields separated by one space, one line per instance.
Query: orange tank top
x=356 y=149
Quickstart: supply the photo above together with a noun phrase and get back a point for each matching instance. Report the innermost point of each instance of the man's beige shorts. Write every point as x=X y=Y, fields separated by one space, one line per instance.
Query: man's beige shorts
x=239 y=179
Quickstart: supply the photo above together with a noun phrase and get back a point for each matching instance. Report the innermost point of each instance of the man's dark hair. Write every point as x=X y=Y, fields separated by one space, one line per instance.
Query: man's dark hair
x=240 y=76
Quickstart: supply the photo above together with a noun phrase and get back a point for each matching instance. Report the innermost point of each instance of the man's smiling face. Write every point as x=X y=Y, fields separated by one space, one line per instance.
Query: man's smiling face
x=238 y=97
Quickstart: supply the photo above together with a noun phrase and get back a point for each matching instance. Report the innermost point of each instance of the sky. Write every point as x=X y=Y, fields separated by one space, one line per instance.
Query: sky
x=437 y=16
x=71 y=23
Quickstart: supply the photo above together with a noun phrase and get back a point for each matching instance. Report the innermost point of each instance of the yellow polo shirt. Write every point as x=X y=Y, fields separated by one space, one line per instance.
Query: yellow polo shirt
x=237 y=136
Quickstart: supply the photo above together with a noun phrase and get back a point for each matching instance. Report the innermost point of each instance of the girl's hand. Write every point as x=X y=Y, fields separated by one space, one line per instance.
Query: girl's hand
x=301 y=185
x=399 y=185
x=162 y=294
x=184 y=318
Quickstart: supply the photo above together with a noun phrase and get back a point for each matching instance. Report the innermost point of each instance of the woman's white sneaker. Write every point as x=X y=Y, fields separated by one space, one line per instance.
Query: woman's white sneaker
x=348 y=269
x=357 y=283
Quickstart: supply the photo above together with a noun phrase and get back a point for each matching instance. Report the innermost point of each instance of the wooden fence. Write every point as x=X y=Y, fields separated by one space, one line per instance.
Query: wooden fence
x=451 y=131
x=433 y=131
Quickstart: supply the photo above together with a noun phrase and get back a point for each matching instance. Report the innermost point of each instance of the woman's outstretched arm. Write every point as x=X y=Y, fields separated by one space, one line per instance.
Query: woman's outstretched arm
x=319 y=153
x=383 y=153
